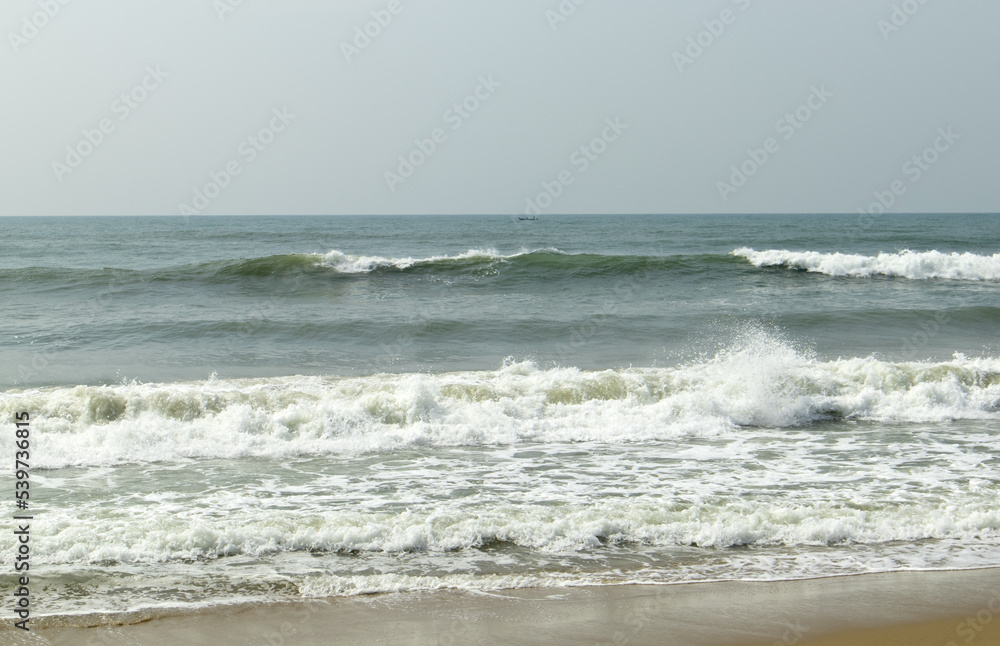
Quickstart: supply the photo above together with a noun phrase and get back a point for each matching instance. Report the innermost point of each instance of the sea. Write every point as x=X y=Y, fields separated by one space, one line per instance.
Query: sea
x=229 y=410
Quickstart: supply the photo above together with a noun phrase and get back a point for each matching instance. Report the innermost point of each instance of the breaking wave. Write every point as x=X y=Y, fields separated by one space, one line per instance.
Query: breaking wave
x=914 y=265
x=763 y=383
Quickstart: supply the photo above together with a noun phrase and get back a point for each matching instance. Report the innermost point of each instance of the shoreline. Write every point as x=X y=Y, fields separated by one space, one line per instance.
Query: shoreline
x=911 y=608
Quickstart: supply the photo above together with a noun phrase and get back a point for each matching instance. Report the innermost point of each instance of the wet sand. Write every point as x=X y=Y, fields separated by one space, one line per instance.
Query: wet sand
x=915 y=609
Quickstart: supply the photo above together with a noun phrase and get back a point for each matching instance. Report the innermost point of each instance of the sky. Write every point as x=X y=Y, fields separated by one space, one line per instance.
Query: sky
x=215 y=107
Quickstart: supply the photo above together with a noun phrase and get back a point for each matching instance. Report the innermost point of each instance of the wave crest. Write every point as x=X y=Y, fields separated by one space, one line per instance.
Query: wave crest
x=914 y=265
x=358 y=264
x=763 y=383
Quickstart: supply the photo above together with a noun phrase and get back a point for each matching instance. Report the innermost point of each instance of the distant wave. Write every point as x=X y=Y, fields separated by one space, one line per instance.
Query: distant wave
x=338 y=263
x=760 y=384
x=905 y=264
x=526 y=263
x=344 y=263
x=473 y=260
x=359 y=264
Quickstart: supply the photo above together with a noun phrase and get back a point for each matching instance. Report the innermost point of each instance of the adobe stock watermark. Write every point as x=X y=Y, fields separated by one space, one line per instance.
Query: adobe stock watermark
x=395 y=351
x=793 y=635
x=970 y=627
x=285 y=633
x=455 y=117
x=43 y=356
x=225 y=7
x=698 y=44
x=365 y=34
x=248 y=151
x=33 y=25
x=625 y=290
x=457 y=633
x=122 y=107
x=562 y=13
x=900 y=17
x=920 y=339
x=647 y=618
x=788 y=126
x=263 y=311
x=914 y=170
x=580 y=161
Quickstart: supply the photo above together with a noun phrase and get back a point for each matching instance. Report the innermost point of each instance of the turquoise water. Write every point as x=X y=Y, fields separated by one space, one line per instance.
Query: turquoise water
x=270 y=408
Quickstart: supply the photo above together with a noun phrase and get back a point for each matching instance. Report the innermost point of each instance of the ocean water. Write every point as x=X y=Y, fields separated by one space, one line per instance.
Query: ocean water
x=258 y=409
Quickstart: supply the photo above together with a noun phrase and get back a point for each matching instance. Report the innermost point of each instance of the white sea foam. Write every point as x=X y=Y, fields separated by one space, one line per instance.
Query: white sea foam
x=906 y=264
x=763 y=383
x=355 y=264
x=756 y=565
x=562 y=475
x=216 y=582
x=146 y=533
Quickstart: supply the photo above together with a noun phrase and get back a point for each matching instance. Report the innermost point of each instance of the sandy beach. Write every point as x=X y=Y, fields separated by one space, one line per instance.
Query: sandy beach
x=914 y=609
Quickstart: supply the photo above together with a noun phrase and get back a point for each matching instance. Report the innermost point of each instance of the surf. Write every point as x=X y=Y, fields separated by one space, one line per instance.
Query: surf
x=914 y=265
x=762 y=383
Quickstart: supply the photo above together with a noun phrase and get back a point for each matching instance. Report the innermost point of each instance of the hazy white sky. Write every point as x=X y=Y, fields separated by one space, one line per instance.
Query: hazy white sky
x=606 y=106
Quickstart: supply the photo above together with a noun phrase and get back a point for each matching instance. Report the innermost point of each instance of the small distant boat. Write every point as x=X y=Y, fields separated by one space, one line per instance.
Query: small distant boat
x=532 y=218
